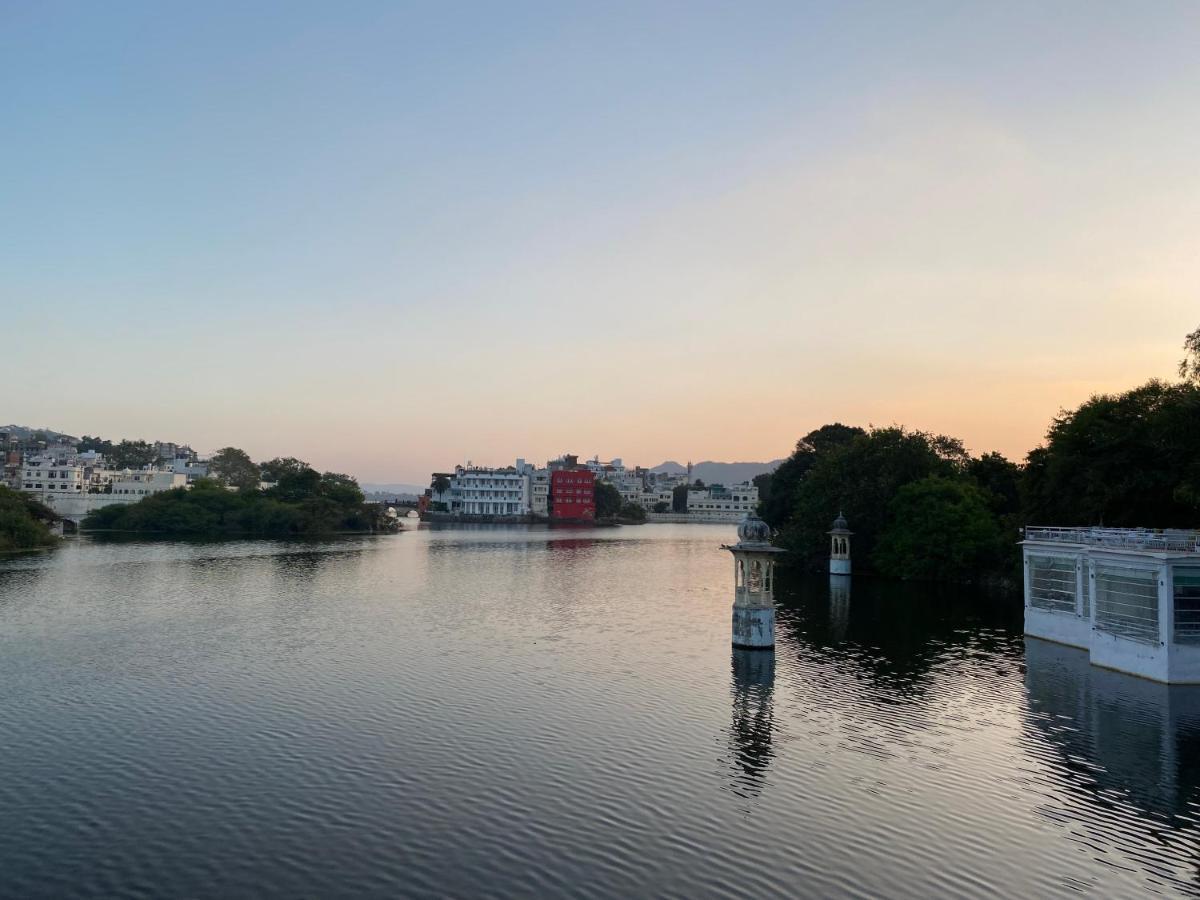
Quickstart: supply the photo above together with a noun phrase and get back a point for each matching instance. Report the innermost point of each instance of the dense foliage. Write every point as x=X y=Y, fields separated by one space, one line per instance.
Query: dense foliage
x=632 y=512
x=234 y=468
x=861 y=473
x=942 y=529
x=921 y=507
x=302 y=502
x=23 y=522
x=608 y=500
x=1125 y=459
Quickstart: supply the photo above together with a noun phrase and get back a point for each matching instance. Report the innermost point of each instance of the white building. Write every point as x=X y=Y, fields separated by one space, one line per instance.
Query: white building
x=651 y=497
x=42 y=475
x=718 y=501
x=1130 y=597
x=74 y=497
x=539 y=492
x=478 y=491
x=137 y=485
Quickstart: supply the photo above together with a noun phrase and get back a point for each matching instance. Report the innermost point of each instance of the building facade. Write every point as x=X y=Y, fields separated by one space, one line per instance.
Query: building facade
x=572 y=494
x=479 y=491
x=1130 y=597
x=539 y=492
x=732 y=503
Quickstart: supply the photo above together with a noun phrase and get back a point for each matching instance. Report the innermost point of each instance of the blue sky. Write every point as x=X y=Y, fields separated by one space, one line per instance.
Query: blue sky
x=388 y=237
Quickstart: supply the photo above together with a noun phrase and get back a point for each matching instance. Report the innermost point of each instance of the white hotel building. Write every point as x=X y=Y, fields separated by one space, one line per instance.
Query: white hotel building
x=477 y=491
x=732 y=503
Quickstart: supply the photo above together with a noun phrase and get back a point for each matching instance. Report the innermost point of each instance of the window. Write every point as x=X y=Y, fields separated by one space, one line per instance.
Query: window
x=1052 y=583
x=1187 y=605
x=1127 y=602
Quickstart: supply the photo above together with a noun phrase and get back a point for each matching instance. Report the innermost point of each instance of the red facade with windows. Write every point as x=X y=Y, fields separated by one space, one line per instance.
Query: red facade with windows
x=572 y=494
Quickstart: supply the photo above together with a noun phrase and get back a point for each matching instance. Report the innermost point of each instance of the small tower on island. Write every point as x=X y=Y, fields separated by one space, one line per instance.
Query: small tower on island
x=839 y=546
x=753 y=585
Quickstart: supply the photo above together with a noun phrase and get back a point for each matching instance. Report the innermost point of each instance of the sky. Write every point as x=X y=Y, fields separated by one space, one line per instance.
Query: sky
x=390 y=237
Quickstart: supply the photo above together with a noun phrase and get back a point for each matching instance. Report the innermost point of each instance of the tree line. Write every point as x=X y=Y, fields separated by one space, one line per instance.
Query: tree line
x=922 y=507
x=282 y=497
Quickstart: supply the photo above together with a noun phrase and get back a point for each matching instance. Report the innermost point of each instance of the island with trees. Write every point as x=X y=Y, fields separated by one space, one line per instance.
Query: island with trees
x=284 y=497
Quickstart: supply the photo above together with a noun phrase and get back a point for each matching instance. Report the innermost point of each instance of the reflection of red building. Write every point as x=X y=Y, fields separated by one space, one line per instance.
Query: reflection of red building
x=572 y=494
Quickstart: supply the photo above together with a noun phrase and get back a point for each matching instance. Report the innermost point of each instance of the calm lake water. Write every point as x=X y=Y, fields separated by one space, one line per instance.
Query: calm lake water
x=512 y=712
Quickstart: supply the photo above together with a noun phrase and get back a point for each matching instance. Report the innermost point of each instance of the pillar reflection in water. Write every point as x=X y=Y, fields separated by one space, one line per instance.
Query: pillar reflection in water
x=1140 y=738
x=839 y=606
x=753 y=719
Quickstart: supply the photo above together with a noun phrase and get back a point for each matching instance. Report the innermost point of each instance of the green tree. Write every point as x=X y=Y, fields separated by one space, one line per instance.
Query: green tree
x=1124 y=460
x=679 y=495
x=277 y=468
x=632 y=512
x=234 y=468
x=131 y=455
x=23 y=522
x=608 y=500
x=440 y=484
x=341 y=489
x=1189 y=366
x=860 y=478
x=296 y=485
x=100 y=445
x=941 y=529
x=662 y=506
x=1000 y=479
x=777 y=503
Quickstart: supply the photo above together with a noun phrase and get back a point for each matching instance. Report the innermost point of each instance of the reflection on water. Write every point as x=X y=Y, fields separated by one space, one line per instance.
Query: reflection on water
x=753 y=719
x=1116 y=734
x=839 y=606
x=549 y=712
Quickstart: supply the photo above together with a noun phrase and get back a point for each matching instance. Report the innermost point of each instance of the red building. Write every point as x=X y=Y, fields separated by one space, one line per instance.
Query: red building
x=572 y=494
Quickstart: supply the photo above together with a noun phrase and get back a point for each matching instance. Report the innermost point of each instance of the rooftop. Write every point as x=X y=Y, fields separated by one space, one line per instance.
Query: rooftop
x=1174 y=540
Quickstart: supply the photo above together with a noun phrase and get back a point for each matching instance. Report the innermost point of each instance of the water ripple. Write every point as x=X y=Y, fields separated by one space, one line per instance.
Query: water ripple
x=512 y=712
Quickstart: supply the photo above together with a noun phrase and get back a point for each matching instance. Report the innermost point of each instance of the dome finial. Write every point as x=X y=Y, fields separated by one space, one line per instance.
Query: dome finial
x=753 y=530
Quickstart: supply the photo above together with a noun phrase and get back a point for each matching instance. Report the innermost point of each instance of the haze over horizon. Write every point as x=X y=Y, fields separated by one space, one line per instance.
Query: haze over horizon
x=387 y=239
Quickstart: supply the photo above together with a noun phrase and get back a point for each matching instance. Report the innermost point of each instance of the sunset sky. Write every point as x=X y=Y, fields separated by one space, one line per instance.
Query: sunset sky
x=390 y=237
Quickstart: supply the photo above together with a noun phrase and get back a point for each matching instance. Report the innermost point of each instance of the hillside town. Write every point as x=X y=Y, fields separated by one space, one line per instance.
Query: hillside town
x=565 y=489
x=74 y=477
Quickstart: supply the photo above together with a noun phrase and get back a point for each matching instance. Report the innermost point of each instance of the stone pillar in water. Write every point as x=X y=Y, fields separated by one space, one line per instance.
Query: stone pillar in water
x=753 y=585
x=839 y=547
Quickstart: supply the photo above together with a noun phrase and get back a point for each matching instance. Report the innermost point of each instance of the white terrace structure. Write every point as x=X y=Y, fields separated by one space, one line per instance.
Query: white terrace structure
x=1129 y=596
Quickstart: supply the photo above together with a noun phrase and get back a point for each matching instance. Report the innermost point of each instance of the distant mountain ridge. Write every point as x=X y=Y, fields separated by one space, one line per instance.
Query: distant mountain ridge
x=720 y=472
x=25 y=432
x=393 y=489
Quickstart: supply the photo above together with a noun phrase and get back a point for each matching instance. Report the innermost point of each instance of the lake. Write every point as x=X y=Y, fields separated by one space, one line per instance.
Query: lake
x=511 y=712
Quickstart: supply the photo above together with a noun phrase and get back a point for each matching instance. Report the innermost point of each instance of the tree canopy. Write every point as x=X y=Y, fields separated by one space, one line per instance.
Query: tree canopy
x=921 y=507
x=277 y=468
x=234 y=468
x=1189 y=366
x=130 y=454
x=941 y=529
x=23 y=522
x=777 y=491
x=608 y=500
x=1120 y=459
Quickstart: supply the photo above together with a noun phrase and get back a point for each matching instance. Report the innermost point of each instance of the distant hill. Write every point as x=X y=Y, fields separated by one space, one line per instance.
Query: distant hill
x=393 y=489
x=25 y=432
x=720 y=472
